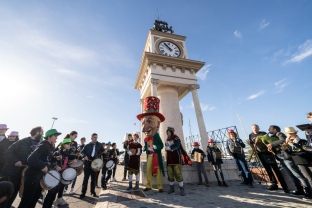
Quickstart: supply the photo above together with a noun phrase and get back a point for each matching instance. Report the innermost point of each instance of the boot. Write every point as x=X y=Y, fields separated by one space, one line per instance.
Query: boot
x=224 y=184
x=308 y=193
x=200 y=182
x=171 y=190
x=207 y=184
x=130 y=186
x=182 y=192
x=219 y=183
x=136 y=185
x=299 y=191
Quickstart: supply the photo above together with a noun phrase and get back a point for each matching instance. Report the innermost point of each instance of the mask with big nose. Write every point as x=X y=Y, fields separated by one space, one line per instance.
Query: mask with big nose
x=150 y=125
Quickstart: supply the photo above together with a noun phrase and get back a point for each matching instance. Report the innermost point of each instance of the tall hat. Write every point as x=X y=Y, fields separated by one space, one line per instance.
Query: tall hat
x=151 y=107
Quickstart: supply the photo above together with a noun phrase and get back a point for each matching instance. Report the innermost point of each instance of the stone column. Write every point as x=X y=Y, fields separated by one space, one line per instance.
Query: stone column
x=169 y=107
x=154 y=83
x=199 y=116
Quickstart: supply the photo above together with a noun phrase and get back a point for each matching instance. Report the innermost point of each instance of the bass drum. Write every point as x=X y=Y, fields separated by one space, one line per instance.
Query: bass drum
x=78 y=166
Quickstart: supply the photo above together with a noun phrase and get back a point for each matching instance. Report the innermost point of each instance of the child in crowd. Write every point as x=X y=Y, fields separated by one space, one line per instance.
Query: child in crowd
x=214 y=155
x=199 y=161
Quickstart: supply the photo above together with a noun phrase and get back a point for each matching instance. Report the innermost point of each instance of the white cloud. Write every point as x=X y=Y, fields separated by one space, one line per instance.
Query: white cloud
x=202 y=74
x=304 y=51
x=238 y=34
x=205 y=107
x=264 y=24
x=281 y=84
x=253 y=96
x=56 y=48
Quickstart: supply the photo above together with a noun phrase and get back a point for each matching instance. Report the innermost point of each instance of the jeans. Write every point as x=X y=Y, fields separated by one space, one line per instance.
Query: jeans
x=109 y=174
x=240 y=159
x=200 y=166
x=294 y=172
x=307 y=172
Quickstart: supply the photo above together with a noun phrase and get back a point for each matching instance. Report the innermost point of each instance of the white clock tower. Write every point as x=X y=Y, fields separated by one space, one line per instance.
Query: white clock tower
x=166 y=72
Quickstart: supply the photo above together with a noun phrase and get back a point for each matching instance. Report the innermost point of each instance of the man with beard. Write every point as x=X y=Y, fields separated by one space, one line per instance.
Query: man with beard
x=275 y=131
x=175 y=153
x=16 y=157
x=91 y=151
x=150 y=119
x=39 y=162
x=3 y=129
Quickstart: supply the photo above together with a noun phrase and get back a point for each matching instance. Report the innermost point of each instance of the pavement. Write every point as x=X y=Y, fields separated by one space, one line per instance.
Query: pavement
x=236 y=195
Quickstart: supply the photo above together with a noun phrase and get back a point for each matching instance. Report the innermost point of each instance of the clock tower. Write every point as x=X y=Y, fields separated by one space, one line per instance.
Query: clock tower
x=168 y=73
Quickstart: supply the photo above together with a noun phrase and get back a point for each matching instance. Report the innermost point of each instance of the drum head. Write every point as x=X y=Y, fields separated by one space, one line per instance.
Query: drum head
x=51 y=179
x=110 y=165
x=97 y=164
x=69 y=174
x=76 y=164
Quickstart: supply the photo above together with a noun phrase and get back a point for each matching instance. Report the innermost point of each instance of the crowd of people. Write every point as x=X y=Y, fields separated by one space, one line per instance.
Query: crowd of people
x=35 y=163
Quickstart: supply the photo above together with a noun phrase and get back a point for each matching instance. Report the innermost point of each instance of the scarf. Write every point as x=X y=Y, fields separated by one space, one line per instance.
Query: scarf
x=155 y=162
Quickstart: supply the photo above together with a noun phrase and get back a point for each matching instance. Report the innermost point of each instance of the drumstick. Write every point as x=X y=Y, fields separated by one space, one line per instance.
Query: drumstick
x=53 y=176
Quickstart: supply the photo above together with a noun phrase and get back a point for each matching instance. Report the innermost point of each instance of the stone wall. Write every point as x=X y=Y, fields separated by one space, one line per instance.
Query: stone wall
x=229 y=168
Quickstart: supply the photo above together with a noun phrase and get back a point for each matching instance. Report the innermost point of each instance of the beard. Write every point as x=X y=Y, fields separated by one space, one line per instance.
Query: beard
x=38 y=138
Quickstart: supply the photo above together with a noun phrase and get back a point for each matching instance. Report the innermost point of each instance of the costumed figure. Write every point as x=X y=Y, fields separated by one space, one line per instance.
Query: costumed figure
x=234 y=146
x=214 y=155
x=176 y=157
x=15 y=165
x=134 y=152
x=3 y=130
x=150 y=119
x=126 y=142
x=39 y=162
x=107 y=156
x=90 y=152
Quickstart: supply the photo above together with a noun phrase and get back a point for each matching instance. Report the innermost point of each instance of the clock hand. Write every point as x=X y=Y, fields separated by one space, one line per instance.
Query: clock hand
x=167 y=46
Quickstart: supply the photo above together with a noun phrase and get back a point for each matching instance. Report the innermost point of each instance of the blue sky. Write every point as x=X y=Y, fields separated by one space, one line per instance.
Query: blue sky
x=78 y=61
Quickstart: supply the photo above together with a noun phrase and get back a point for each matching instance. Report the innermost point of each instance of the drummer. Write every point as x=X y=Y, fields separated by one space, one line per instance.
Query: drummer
x=16 y=158
x=90 y=152
x=38 y=164
x=63 y=157
x=107 y=156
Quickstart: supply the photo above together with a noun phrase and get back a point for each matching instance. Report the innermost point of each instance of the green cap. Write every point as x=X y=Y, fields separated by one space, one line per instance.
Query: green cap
x=66 y=140
x=52 y=132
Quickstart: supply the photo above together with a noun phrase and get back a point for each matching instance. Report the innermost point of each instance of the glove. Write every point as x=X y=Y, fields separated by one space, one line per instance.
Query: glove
x=139 y=151
x=129 y=153
x=151 y=149
x=167 y=148
x=154 y=146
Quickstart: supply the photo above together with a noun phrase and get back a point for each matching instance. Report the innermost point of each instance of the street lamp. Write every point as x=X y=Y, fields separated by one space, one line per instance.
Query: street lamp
x=53 y=121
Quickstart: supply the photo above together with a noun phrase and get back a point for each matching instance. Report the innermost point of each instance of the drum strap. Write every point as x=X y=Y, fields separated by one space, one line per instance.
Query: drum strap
x=65 y=163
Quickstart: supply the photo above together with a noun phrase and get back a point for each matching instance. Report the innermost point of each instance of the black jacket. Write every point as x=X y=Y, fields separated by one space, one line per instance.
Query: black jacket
x=40 y=158
x=19 y=151
x=88 y=148
x=4 y=145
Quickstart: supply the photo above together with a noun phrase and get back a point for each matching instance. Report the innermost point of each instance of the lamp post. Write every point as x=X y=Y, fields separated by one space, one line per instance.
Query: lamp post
x=53 y=121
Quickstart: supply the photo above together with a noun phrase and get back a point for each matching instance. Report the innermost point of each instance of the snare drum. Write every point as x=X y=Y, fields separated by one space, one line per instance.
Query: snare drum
x=97 y=164
x=50 y=180
x=68 y=175
x=78 y=166
x=110 y=165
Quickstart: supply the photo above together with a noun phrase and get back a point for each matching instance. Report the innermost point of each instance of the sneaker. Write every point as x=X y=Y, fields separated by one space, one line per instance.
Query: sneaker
x=62 y=201
x=114 y=180
x=219 y=183
x=82 y=196
x=71 y=191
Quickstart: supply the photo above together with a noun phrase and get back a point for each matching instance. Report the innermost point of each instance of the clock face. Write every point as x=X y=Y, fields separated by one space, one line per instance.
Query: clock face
x=169 y=49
